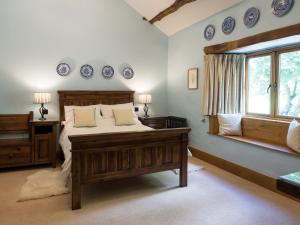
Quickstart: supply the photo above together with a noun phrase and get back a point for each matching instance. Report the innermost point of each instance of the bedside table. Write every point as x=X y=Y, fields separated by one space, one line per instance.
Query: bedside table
x=44 y=137
x=156 y=122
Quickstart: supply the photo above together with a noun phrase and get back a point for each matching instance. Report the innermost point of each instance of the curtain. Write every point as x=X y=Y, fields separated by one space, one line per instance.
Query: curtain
x=224 y=84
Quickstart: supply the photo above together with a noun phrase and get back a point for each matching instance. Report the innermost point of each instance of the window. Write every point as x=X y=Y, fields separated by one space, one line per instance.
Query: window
x=289 y=84
x=273 y=83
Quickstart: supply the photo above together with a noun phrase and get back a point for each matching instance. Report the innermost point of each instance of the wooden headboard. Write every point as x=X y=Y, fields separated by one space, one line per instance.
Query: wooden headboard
x=83 y=98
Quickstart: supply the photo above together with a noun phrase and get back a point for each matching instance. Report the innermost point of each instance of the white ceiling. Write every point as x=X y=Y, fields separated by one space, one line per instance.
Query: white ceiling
x=184 y=17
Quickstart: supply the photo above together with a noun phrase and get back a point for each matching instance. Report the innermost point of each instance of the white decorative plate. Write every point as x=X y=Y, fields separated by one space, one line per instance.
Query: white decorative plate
x=107 y=72
x=209 y=32
x=228 y=25
x=251 y=17
x=127 y=73
x=282 y=7
x=63 y=69
x=86 y=71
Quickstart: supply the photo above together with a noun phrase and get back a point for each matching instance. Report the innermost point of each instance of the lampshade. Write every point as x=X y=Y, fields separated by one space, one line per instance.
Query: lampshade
x=145 y=99
x=40 y=98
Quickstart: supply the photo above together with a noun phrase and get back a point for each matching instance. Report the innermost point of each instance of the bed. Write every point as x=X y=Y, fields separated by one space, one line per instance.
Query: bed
x=117 y=154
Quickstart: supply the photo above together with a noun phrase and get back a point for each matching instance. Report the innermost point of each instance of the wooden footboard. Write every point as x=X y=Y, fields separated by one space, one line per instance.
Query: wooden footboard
x=102 y=157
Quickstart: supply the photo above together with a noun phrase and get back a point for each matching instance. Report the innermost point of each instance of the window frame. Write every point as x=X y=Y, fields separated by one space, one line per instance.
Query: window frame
x=275 y=76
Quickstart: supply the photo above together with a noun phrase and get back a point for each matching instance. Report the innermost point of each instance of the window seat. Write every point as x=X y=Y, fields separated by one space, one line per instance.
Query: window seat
x=266 y=133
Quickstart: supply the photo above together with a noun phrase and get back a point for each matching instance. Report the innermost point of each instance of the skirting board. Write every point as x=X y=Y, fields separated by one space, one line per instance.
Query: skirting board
x=243 y=172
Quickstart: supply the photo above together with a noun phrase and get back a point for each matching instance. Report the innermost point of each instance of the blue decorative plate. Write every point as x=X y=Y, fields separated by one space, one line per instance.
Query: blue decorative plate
x=209 y=32
x=228 y=25
x=282 y=7
x=127 y=73
x=107 y=72
x=86 y=71
x=251 y=17
x=63 y=69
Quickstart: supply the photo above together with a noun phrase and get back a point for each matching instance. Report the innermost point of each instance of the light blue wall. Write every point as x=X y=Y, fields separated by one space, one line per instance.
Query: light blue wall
x=35 y=35
x=186 y=51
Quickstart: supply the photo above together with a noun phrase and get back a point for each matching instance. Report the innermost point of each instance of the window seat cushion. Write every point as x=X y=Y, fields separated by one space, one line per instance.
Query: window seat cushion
x=263 y=144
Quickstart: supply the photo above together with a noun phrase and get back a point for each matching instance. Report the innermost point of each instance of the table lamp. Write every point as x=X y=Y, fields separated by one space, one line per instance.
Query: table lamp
x=42 y=98
x=145 y=99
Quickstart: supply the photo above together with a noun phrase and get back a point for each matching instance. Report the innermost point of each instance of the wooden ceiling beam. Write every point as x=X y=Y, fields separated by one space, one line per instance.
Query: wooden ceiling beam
x=173 y=8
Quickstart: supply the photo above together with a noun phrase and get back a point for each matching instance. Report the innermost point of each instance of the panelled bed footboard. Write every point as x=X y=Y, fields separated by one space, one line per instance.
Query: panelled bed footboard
x=109 y=156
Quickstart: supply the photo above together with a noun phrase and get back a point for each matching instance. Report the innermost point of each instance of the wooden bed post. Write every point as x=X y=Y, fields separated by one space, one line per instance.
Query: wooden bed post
x=183 y=167
x=76 y=183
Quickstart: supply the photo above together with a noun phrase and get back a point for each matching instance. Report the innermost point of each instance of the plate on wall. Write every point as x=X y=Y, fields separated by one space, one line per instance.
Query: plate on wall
x=209 y=32
x=251 y=17
x=228 y=25
x=127 y=73
x=282 y=7
x=86 y=71
x=108 y=72
x=63 y=69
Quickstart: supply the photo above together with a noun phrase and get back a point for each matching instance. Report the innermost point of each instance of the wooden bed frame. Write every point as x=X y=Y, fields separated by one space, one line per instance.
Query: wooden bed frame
x=109 y=156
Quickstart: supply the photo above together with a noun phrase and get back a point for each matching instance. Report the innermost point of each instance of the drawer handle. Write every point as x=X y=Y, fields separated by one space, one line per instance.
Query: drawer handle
x=19 y=149
x=11 y=155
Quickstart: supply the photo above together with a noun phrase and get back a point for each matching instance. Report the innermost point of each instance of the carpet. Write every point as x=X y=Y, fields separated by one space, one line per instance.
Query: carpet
x=48 y=183
x=212 y=197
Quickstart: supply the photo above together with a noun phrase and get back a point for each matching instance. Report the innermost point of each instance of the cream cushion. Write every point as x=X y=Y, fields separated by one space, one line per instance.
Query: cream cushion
x=107 y=110
x=230 y=124
x=124 y=117
x=85 y=117
x=293 y=136
x=69 y=113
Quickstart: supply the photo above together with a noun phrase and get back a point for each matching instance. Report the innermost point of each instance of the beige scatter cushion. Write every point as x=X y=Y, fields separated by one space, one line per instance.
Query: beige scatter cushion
x=124 y=117
x=293 y=136
x=230 y=124
x=84 y=117
x=69 y=113
x=107 y=110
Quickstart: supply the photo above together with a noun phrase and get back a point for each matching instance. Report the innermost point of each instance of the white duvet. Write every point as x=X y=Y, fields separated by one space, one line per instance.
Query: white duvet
x=103 y=126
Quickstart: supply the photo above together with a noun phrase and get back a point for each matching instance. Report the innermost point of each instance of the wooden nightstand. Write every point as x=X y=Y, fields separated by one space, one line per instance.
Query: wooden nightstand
x=156 y=122
x=44 y=137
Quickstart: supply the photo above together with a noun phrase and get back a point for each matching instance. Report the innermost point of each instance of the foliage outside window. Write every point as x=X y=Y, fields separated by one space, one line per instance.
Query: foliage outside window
x=273 y=83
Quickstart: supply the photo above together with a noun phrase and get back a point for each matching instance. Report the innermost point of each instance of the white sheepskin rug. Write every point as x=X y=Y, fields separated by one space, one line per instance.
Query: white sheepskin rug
x=43 y=184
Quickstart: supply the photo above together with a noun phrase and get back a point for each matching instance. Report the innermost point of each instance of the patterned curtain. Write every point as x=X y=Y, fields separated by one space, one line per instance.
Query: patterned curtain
x=224 y=85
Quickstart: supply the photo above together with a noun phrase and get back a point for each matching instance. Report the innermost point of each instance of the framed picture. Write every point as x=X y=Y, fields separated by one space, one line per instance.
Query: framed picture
x=193 y=78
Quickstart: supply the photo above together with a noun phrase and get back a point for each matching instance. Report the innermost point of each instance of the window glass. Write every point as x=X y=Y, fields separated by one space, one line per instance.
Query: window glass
x=289 y=84
x=259 y=79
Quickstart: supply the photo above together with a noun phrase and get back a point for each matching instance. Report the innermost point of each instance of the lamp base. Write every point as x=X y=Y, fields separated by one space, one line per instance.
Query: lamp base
x=43 y=111
x=146 y=109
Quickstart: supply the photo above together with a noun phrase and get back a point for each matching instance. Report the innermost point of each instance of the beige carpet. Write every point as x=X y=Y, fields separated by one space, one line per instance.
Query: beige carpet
x=213 y=197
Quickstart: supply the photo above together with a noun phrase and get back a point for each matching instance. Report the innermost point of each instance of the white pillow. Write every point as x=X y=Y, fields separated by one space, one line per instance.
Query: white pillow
x=230 y=124
x=107 y=110
x=69 y=113
x=293 y=136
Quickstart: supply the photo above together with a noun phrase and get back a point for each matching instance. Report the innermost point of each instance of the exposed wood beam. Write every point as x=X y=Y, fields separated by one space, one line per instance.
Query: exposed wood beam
x=255 y=39
x=173 y=8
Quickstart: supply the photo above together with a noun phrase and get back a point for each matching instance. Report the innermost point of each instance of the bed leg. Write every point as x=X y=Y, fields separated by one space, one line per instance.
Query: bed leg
x=184 y=160
x=76 y=183
x=183 y=177
x=76 y=197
